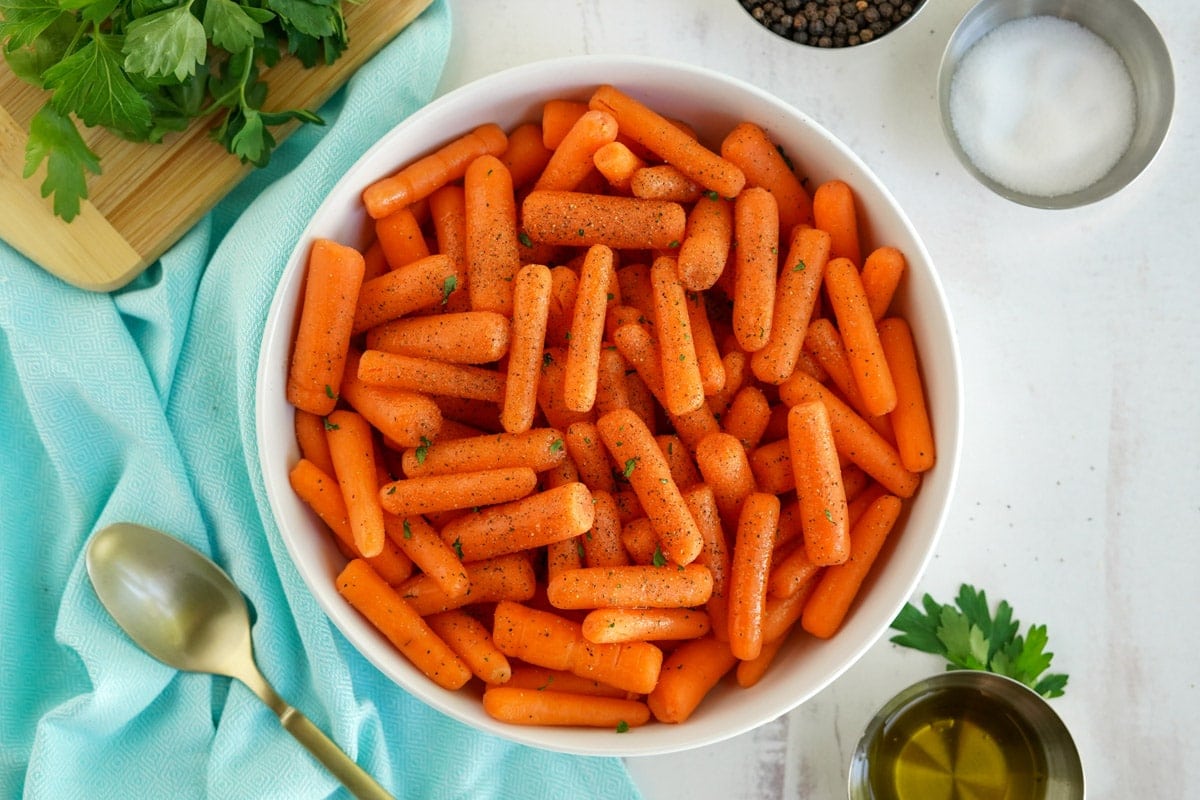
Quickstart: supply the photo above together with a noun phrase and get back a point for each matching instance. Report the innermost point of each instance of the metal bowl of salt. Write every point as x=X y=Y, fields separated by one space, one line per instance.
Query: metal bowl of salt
x=1056 y=103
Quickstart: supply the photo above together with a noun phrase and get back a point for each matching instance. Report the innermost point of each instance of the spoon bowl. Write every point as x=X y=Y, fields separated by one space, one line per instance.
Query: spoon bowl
x=181 y=608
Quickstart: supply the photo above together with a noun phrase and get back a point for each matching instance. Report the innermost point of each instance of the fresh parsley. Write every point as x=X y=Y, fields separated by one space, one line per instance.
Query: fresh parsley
x=144 y=68
x=969 y=636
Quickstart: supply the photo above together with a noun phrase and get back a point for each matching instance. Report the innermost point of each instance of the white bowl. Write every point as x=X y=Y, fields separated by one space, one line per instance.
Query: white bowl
x=713 y=104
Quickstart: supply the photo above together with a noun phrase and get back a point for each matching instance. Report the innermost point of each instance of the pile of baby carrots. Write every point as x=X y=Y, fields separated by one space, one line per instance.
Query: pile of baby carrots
x=600 y=414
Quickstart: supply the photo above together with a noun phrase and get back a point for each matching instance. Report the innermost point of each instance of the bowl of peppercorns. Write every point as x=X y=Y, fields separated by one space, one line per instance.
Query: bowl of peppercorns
x=832 y=24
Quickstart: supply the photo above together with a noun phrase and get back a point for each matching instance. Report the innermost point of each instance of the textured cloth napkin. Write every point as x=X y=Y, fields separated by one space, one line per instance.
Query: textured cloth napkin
x=138 y=405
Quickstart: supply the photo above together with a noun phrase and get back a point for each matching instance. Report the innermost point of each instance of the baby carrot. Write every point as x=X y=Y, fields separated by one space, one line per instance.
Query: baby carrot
x=472 y=642
x=564 y=286
x=529 y=676
x=571 y=160
x=538 y=449
x=331 y=287
x=421 y=177
x=837 y=587
x=448 y=214
x=591 y=458
x=310 y=436
x=506 y=577
x=551 y=394
x=526 y=155
x=748 y=571
x=396 y=371
x=791 y=573
x=715 y=554
x=664 y=182
x=412 y=287
x=818 y=484
x=881 y=275
x=682 y=386
x=605 y=625
x=669 y=142
x=751 y=671
x=748 y=146
x=400 y=236
x=726 y=468
x=558 y=115
x=549 y=640
x=587 y=329
x=645 y=586
x=795 y=298
x=688 y=674
x=910 y=418
x=708 y=355
x=636 y=289
x=834 y=212
x=432 y=493
x=466 y=337
x=531 y=305
x=563 y=556
x=705 y=247
x=771 y=466
x=824 y=342
x=492 y=247
x=854 y=437
x=684 y=471
x=633 y=448
x=581 y=219
x=860 y=336
x=617 y=163
x=407 y=630
x=737 y=372
x=640 y=541
x=602 y=542
x=404 y=417
x=556 y=708
x=756 y=266
x=611 y=387
x=352 y=449
x=320 y=491
x=421 y=543
x=375 y=264
x=533 y=521
x=747 y=416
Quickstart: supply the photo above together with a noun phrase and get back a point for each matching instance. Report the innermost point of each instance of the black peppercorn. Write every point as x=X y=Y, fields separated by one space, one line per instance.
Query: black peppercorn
x=830 y=23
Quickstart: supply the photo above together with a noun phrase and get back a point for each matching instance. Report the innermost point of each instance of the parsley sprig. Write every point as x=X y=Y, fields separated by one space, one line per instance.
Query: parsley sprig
x=968 y=636
x=143 y=68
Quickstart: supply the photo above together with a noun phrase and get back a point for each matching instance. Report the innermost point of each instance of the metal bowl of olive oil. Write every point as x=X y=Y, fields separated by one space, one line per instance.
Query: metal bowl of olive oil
x=966 y=734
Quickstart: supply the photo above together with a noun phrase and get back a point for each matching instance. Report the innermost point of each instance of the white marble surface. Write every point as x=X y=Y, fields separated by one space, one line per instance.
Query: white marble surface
x=1077 y=498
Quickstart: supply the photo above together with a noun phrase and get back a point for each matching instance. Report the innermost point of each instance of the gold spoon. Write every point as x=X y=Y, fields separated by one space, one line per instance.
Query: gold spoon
x=181 y=608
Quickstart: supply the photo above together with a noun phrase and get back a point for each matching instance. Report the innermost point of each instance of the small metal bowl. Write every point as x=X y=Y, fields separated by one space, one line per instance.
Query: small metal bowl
x=1044 y=734
x=1136 y=39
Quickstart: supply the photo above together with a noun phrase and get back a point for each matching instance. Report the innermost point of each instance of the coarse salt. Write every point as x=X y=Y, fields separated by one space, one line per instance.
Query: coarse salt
x=1043 y=106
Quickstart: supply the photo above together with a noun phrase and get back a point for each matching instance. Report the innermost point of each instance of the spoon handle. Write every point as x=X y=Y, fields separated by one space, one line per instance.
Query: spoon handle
x=352 y=776
x=324 y=749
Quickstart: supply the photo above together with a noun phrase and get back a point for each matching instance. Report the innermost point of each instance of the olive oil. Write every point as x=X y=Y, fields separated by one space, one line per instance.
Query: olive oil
x=957 y=743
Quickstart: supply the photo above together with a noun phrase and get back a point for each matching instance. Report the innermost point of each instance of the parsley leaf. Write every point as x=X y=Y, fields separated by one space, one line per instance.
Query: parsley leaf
x=53 y=138
x=91 y=84
x=969 y=636
x=166 y=43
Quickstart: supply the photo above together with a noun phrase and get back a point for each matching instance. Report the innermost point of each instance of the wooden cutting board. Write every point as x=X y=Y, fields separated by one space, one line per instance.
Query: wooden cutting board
x=148 y=196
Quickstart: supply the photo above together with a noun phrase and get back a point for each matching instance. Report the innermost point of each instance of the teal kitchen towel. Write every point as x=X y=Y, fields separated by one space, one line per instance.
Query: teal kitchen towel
x=138 y=405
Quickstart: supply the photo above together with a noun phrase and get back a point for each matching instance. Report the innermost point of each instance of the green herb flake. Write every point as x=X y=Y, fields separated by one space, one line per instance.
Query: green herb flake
x=622 y=727
x=658 y=560
x=524 y=239
x=458 y=548
x=630 y=465
x=556 y=446
x=448 y=287
x=800 y=266
x=330 y=426
x=407 y=528
x=422 y=451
